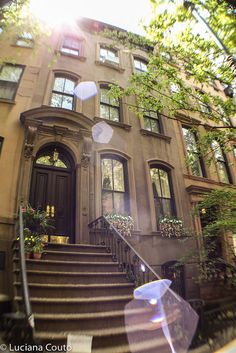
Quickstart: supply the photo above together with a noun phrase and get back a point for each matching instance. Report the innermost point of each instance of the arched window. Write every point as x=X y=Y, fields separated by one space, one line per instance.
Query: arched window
x=53 y=157
x=63 y=93
x=114 y=184
x=162 y=192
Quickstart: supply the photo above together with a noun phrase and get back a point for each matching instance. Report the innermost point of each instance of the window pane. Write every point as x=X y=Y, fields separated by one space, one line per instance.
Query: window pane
x=118 y=173
x=164 y=183
x=107 y=202
x=70 y=51
x=114 y=114
x=155 y=182
x=107 y=174
x=147 y=124
x=67 y=102
x=189 y=139
x=114 y=102
x=217 y=151
x=119 y=202
x=223 y=175
x=59 y=84
x=154 y=125
x=56 y=100
x=196 y=166
x=104 y=96
x=104 y=111
x=10 y=73
x=7 y=89
x=69 y=86
x=166 y=208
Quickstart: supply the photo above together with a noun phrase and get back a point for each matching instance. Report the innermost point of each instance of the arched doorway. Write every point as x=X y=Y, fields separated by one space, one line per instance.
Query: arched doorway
x=176 y=275
x=53 y=188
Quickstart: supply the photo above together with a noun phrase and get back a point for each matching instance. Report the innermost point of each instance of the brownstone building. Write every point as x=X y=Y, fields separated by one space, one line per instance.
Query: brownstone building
x=49 y=158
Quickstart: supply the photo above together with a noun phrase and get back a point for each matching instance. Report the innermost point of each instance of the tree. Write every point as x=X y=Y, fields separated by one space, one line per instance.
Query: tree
x=185 y=66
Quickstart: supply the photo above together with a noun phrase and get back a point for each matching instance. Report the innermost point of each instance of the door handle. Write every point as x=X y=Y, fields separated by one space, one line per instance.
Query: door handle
x=48 y=210
x=52 y=211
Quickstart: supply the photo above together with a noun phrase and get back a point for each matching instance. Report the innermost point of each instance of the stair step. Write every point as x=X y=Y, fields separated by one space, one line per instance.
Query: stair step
x=84 y=321
x=76 y=290
x=72 y=266
x=76 y=256
x=73 y=277
x=76 y=247
x=77 y=305
x=114 y=340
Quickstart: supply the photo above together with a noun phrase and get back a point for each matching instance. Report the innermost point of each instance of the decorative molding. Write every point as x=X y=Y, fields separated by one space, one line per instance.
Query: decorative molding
x=115 y=123
x=31 y=129
x=87 y=150
x=155 y=134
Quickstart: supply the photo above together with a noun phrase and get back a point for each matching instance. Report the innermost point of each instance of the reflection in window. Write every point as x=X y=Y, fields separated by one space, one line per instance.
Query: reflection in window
x=152 y=121
x=109 y=55
x=140 y=65
x=221 y=163
x=9 y=78
x=114 y=189
x=109 y=107
x=164 y=203
x=63 y=93
x=195 y=161
x=72 y=45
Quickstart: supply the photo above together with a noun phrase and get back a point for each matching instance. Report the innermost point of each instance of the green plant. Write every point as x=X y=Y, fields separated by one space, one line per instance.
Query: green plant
x=36 y=220
x=123 y=223
x=171 y=227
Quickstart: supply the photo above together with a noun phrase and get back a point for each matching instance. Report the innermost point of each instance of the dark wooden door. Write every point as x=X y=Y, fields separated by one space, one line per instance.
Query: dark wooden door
x=52 y=190
x=176 y=275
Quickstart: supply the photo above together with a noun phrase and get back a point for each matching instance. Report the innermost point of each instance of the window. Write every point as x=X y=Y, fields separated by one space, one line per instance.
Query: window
x=109 y=107
x=109 y=55
x=72 y=45
x=63 y=93
x=162 y=193
x=140 y=65
x=195 y=161
x=204 y=107
x=221 y=163
x=114 y=185
x=152 y=121
x=174 y=87
x=52 y=157
x=10 y=76
x=25 y=40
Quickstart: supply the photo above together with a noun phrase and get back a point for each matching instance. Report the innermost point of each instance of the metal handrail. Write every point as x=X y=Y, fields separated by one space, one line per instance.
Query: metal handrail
x=25 y=288
x=144 y=279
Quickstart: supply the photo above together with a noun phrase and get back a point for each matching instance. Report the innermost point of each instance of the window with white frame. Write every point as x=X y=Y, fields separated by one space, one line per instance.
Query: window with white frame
x=10 y=76
x=109 y=107
x=114 y=184
x=72 y=45
x=221 y=163
x=195 y=160
x=140 y=65
x=63 y=93
x=108 y=55
x=151 y=121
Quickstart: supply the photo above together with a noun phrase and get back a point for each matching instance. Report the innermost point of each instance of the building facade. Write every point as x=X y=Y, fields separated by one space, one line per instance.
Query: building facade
x=50 y=159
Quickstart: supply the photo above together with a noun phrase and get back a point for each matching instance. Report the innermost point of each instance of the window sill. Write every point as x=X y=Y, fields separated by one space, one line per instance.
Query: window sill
x=77 y=57
x=115 y=123
x=206 y=180
x=9 y=101
x=110 y=65
x=155 y=134
x=21 y=46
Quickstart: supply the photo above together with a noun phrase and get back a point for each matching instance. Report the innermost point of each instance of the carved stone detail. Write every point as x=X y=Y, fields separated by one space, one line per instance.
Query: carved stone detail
x=87 y=149
x=30 y=140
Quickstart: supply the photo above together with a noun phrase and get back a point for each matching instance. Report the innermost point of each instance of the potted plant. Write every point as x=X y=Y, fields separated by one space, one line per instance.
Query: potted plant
x=123 y=223
x=38 y=248
x=171 y=227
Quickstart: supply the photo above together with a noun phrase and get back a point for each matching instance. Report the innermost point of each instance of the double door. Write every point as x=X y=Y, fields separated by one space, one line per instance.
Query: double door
x=52 y=190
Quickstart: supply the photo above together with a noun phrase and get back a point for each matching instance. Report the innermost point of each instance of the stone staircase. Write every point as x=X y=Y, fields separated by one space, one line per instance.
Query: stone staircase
x=80 y=289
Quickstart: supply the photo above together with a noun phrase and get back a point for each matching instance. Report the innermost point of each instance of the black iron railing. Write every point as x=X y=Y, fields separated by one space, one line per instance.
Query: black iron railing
x=25 y=289
x=103 y=233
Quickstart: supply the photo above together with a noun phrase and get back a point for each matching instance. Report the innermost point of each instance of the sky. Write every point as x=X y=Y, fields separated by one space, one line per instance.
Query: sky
x=125 y=14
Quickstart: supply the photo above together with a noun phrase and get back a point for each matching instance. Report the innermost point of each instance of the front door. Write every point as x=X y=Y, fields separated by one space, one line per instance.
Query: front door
x=52 y=189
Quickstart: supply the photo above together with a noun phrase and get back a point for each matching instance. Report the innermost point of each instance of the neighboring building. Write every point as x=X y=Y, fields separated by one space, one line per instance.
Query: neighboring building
x=49 y=159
